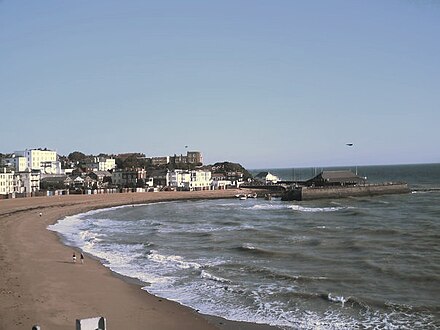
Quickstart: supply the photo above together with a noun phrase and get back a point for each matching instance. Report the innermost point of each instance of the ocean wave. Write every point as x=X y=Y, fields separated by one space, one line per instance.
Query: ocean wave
x=206 y=275
x=266 y=206
x=300 y=208
x=247 y=247
x=172 y=260
x=337 y=299
x=426 y=190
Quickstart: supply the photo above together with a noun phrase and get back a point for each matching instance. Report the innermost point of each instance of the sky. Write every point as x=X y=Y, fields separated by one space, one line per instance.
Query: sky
x=265 y=83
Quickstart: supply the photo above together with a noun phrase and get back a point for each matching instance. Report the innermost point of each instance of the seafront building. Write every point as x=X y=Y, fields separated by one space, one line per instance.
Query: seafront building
x=189 y=180
x=101 y=164
x=28 y=167
x=36 y=159
x=38 y=172
x=7 y=182
x=267 y=178
x=130 y=178
x=27 y=181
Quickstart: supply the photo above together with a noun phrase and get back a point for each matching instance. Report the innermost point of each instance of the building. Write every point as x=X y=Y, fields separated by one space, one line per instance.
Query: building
x=192 y=157
x=189 y=180
x=158 y=161
x=159 y=178
x=101 y=164
x=7 y=182
x=200 y=180
x=37 y=159
x=266 y=178
x=131 y=178
x=102 y=178
x=17 y=162
x=220 y=181
x=28 y=181
x=178 y=179
x=335 y=178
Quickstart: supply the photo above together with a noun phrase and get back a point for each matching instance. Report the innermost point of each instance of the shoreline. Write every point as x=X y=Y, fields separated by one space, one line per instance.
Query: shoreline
x=39 y=284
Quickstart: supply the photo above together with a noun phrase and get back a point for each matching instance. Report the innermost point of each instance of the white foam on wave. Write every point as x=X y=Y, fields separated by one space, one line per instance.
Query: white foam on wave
x=266 y=206
x=300 y=208
x=337 y=299
x=204 y=274
x=172 y=260
x=125 y=259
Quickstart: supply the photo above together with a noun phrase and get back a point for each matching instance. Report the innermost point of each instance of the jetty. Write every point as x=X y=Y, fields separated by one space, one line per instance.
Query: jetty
x=340 y=184
x=330 y=184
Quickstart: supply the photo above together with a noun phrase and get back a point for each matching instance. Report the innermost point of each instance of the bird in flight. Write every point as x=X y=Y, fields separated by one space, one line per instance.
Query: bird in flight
x=349 y=144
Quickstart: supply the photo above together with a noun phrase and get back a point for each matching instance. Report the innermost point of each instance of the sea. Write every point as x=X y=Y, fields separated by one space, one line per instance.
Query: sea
x=352 y=263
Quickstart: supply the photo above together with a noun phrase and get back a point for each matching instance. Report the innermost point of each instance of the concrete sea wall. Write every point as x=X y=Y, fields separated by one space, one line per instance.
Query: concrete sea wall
x=308 y=193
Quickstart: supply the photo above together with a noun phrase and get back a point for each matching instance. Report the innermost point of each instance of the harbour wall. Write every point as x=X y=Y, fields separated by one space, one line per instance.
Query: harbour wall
x=308 y=193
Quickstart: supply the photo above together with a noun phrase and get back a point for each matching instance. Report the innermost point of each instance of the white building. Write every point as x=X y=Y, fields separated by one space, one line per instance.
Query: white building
x=38 y=159
x=178 y=179
x=102 y=164
x=28 y=181
x=189 y=180
x=7 y=182
x=220 y=181
x=19 y=163
x=267 y=178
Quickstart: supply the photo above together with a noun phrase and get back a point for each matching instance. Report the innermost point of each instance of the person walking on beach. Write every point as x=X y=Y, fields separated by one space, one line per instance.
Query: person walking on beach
x=74 y=257
x=82 y=257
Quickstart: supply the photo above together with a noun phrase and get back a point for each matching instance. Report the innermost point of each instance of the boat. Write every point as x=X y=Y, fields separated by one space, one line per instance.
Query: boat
x=241 y=196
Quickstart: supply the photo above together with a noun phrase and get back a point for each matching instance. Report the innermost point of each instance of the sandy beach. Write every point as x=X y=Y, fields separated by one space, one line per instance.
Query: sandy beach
x=39 y=283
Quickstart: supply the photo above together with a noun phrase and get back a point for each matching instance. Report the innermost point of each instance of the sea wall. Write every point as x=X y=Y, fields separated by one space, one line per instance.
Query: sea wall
x=308 y=193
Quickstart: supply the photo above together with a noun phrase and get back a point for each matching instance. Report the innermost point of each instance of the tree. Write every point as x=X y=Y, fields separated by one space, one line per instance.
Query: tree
x=76 y=156
x=225 y=167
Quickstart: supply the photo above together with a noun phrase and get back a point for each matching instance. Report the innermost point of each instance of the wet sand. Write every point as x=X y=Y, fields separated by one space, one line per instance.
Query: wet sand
x=40 y=284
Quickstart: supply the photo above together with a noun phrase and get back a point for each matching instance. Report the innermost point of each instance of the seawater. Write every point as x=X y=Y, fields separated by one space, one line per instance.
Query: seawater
x=354 y=263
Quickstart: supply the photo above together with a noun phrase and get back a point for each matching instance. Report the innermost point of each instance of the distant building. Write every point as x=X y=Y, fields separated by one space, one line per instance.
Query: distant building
x=53 y=182
x=189 y=180
x=131 y=178
x=101 y=164
x=159 y=177
x=178 y=179
x=158 y=161
x=7 y=182
x=335 y=178
x=266 y=178
x=220 y=181
x=192 y=157
x=17 y=162
x=36 y=159
x=102 y=178
x=28 y=181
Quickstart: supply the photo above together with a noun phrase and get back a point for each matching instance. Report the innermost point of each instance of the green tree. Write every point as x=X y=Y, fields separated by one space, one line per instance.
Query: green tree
x=76 y=156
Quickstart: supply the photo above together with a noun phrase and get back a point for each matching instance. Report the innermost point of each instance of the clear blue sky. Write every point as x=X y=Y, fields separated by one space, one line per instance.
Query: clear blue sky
x=274 y=83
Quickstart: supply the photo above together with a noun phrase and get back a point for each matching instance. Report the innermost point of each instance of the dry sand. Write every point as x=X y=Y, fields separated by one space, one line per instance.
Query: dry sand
x=39 y=283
